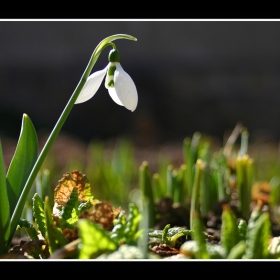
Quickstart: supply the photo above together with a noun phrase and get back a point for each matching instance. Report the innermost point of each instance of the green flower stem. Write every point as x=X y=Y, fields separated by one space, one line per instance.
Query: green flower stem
x=20 y=204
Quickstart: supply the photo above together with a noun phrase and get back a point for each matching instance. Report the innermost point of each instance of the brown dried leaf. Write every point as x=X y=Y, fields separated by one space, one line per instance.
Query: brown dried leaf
x=165 y=250
x=70 y=234
x=261 y=191
x=75 y=179
x=102 y=213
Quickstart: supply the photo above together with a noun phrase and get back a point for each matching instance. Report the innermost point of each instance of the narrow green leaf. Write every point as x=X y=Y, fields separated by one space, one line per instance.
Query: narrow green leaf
x=229 y=230
x=243 y=187
x=204 y=154
x=238 y=251
x=175 y=233
x=191 y=159
x=118 y=230
x=133 y=223
x=242 y=229
x=258 y=240
x=39 y=214
x=22 y=162
x=195 y=205
x=255 y=214
x=145 y=183
x=29 y=228
x=164 y=234
x=4 y=207
x=143 y=226
x=56 y=239
x=182 y=180
x=71 y=204
x=158 y=186
x=169 y=181
x=199 y=237
x=171 y=236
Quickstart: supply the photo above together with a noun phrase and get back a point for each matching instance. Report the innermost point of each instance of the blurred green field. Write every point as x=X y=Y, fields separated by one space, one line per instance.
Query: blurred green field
x=112 y=167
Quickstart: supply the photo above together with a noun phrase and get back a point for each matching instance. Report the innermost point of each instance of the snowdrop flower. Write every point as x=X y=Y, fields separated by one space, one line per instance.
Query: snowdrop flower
x=119 y=84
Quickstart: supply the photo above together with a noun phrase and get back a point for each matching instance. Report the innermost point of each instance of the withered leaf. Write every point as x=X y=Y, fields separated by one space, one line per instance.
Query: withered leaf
x=77 y=180
x=102 y=213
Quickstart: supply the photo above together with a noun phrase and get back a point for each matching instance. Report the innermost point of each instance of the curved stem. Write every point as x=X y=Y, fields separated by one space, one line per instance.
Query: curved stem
x=95 y=55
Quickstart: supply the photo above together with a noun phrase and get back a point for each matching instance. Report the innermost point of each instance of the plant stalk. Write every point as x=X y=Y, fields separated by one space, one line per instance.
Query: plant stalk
x=96 y=53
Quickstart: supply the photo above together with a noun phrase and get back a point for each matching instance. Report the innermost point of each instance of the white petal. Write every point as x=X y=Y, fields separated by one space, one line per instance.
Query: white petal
x=114 y=96
x=125 y=89
x=91 y=86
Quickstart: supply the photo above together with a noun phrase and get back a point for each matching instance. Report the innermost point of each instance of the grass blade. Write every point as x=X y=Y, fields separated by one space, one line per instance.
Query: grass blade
x=4 y=207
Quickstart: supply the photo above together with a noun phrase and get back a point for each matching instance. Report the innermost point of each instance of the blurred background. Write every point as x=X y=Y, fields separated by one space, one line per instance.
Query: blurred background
x=191 y=76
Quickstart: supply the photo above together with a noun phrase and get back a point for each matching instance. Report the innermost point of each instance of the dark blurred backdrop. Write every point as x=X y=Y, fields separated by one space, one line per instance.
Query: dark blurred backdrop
x=191 y=76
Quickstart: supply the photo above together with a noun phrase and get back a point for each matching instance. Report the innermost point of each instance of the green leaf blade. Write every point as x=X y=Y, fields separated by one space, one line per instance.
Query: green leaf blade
x=229 y=229
x=55 y=237
x=29 y=228
x=24 y=158
x=4 y=207
x=132 y=231
x=199 y=237
x=39 y=214
x=259 y=238
x=95 y=240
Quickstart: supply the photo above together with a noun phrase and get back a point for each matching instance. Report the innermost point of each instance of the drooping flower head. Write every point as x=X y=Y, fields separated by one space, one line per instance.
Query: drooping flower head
x=119 y=84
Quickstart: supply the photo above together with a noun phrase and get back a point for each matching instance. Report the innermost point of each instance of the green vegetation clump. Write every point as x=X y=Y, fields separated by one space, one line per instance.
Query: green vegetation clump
x=217 y=203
